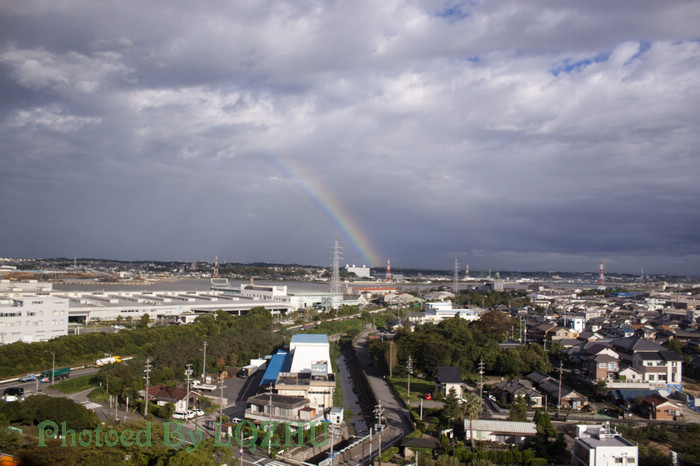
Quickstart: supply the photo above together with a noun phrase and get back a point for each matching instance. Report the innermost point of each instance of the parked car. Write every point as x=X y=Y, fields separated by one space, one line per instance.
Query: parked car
x=14 y=391
x=181 y=416
x=428 y=396
x=28 y=378
x=194 y=412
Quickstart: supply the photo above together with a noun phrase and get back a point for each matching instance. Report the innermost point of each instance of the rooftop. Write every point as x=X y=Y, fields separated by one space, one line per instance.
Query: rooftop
x=310 y=338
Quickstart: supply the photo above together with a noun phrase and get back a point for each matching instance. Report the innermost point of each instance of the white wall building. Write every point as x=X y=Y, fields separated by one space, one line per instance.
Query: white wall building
x=310 y=375
x=441 y=310
x=598 y=445
x=308 y=350
x=32 y=318
x=360 y=272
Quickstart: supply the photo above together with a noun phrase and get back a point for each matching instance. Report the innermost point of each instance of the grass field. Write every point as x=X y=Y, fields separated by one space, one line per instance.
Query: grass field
x=75 y=384
x=419 y=387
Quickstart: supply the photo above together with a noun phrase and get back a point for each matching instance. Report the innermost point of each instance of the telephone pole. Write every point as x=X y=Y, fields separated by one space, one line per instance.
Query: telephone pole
x=147 y=370
x=561 y=364
x=188 y=373
x=269 y=417
x=204 y=363
x=379 y=415
x=481 y=379
x=409 y=369
x=391 y=358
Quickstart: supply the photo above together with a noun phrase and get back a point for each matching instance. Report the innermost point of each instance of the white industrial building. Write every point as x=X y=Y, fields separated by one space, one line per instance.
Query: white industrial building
x=598 y=445
x=32 y=318
x=303 y=379
x=441 y=310
x=500 y=431
x=180 y=306
x=309 y=349
x=360 y=272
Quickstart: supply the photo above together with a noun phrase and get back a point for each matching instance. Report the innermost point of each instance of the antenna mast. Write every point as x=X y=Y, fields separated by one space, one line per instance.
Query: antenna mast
x=601 y=277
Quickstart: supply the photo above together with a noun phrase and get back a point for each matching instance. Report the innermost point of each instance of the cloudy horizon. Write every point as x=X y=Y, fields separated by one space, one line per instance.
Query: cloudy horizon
x=504 y=135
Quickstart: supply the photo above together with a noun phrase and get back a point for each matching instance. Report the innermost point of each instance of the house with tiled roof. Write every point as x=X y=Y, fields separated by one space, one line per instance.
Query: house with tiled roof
x=657 y=407
x=162 y=394
x=520 y=388
x=659 y=366
x=569 y=397
x=448 y=378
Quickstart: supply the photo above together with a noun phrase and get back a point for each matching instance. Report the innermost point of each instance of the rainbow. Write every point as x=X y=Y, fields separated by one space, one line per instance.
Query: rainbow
x=330 y=207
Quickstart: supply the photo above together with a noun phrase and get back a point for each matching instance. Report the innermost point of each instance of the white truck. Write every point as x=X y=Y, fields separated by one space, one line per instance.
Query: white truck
x=107 y=361
x=199 y=385
x=251 y=368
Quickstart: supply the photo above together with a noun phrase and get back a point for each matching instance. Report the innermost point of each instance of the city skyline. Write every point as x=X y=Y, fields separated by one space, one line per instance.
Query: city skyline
x=507 y=136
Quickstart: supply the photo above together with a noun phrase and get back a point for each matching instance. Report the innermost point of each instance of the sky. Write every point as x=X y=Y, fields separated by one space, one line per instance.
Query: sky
x=510 y=135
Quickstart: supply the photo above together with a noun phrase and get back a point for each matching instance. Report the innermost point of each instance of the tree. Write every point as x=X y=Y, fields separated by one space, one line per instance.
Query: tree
x=144 y=321
x=544 y=424
x=451 y=409
x=675 y=345
x=601 y=390
x=470 y=408
x=495 y=324
x=518 y=410
x=9 y=439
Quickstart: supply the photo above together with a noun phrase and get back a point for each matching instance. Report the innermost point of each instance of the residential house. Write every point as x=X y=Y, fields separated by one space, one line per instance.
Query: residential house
x=161 y=395
x=603 y=367
x=600 y=362
x=659 y=366
x=627 y=347
x=448 y=378
x=281 y=408
x=657 y=407
x=629 y=374
x=561 y=333
x=558 y=394
x=516 y=388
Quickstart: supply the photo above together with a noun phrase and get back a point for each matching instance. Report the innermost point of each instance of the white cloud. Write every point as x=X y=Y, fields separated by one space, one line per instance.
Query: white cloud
x=73 y=72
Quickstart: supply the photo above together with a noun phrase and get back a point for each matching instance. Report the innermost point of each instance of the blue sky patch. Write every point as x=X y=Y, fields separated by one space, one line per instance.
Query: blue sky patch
x=452 y=13
x=643 y=47
x=568 y=66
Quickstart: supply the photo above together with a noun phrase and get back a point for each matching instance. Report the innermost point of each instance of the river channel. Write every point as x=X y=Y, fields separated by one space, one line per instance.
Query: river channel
x=350 y=400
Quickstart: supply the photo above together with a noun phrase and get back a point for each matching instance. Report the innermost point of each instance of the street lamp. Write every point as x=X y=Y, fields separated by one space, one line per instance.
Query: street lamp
x=53 y=364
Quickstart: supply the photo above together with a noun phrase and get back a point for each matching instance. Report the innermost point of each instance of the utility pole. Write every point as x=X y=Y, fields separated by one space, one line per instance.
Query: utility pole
x=481 y=379
x=391 y=358
x=221 y=406
x=148 y=372
x=188 y=373
x=204 y=363
x=561 y=364
x=53 y=365
x=409 y=369
x=370 y=445
x=221 y=399
x=379 y=415
x=332 y=432
x=269 y=417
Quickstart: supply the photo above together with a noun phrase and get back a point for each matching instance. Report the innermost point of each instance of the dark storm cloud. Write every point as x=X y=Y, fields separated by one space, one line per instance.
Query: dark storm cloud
x=507 y=135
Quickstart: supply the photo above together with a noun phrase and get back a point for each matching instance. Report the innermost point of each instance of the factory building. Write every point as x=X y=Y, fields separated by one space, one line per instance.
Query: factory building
x=360 y=272
x=302 y=379
x=32 y=318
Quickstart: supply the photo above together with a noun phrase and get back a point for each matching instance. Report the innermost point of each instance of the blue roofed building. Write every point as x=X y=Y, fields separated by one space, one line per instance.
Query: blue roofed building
x=303 y=374
x=280 y=362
